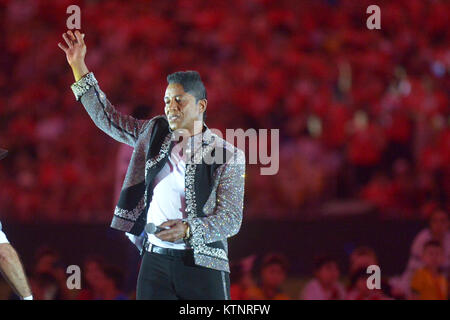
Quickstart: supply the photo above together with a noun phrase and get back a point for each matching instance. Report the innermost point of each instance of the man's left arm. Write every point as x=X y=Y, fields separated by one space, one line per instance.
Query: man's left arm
x=226 y=221
x=12 y=270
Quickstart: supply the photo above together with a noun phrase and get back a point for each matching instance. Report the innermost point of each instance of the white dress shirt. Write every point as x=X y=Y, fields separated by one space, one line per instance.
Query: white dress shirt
x=168 y=201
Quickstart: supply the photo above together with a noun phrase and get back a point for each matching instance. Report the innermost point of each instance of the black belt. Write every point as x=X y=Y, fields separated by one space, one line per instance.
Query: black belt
x=167 y=251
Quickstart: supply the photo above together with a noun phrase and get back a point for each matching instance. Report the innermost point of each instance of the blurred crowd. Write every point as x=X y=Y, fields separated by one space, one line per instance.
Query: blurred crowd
x=363 y=114
x=426 y=274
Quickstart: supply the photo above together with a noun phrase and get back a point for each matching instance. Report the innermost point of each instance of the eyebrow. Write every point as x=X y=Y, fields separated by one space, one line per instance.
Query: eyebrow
x=178 y=95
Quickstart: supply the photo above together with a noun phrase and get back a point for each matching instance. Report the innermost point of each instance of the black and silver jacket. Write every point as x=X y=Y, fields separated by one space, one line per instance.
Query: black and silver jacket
x=214 y=192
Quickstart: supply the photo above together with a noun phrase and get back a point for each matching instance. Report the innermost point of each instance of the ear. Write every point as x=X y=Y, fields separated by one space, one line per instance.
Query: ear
x=202 y=105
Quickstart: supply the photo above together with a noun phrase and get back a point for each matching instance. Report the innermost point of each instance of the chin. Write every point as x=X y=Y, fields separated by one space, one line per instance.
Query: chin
x=173 y=125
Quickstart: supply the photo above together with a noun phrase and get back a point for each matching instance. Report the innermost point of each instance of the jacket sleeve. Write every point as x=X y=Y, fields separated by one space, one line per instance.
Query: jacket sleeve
x=226 y=220
x=122 y=128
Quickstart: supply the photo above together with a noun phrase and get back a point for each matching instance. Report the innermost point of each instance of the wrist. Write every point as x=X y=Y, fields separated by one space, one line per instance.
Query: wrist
x=79 y=70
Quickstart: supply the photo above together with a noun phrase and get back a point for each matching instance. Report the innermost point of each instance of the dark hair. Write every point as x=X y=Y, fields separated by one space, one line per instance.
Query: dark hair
x=322 y=260
x=277 y=259
x=432 y=243
x=358 y=274
x=364 y=250
x=192 y=83
x=44 y=251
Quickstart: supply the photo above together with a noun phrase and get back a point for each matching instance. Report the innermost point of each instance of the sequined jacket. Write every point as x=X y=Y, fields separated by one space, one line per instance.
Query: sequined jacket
x=214 y=192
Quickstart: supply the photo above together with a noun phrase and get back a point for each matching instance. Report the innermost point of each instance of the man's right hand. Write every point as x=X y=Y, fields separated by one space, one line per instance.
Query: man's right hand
x=75 y=52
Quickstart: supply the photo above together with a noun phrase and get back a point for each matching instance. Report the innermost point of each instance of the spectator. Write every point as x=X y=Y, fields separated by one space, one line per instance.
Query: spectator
x=361 y=258
x=241 y=280
x=428 y=282
x=46 y=287
x=49 y=272
x=103 y=281
x=92 y=271
x=359 y=290
x=111 y=284
x=325 y=285
x=438 y=230
x=272 y=276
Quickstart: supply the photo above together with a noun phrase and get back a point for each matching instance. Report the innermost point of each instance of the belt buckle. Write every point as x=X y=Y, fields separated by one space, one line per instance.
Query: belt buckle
x=147 y=245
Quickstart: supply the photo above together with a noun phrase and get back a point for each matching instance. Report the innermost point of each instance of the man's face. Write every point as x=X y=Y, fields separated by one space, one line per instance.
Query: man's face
x=181 y=109
x=328 y=274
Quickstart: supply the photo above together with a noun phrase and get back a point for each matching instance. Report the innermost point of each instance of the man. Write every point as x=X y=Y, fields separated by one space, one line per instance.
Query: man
x=10 y=265
x=198 y=202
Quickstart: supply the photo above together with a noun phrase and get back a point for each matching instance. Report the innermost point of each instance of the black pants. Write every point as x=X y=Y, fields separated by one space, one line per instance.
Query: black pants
x=164 y=277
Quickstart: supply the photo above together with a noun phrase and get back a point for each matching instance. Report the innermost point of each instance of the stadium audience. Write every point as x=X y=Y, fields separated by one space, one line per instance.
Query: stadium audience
x=362 y=114
x=438 y=230
x=357 y=99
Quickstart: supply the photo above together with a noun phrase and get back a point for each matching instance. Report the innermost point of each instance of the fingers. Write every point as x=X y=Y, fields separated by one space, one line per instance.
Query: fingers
x=173 y=234
x=68 y=41
x=167 y=235
x=72 y=38
x=170 y=223
x=79 y=37
x=71 y=35
x=63 y=47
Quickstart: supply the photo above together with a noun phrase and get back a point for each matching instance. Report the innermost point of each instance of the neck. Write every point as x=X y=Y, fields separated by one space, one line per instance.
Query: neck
x=195 y=128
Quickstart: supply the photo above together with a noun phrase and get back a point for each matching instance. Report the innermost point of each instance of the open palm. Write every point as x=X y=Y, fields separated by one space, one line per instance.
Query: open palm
x=76 y=48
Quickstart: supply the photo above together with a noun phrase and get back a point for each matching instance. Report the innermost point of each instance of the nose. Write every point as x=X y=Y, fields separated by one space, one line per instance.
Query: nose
x=172 y=105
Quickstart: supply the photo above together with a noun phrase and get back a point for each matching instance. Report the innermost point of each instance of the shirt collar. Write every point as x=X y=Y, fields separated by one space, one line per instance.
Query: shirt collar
x=198 y=140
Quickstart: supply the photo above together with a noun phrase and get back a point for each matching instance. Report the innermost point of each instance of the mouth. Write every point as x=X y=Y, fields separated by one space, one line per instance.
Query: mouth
x=173 y=117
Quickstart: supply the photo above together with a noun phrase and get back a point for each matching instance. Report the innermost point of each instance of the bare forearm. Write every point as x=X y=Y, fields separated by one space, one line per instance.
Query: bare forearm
x=12 y=270
x=79 y=70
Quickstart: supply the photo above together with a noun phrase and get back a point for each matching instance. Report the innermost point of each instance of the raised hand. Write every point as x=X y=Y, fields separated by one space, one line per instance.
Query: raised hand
x=75 y=52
